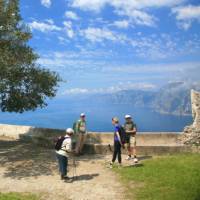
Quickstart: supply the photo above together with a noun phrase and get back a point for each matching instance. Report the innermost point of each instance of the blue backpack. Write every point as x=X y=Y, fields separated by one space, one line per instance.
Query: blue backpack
x=122 y=134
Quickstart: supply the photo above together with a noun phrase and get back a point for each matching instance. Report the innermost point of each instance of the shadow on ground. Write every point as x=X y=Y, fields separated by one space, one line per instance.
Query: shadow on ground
x=83 y=177
x=144 y=157
x=22 y=160
x=25 y=159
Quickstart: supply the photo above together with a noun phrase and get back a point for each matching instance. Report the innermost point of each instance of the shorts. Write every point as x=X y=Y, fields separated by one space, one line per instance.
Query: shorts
x=127 y=140
x=132 y=141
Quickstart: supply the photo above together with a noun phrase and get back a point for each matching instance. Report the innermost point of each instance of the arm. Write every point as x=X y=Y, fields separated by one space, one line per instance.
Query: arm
x=117 y=133
x=133 y=131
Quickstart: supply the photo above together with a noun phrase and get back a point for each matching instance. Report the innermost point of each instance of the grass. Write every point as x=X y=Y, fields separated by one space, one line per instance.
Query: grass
x=17 y=196
x=174 y=177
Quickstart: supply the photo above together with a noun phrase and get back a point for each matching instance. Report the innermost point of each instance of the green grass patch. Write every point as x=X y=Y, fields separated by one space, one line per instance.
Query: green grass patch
x=175 y=177
x=17 y=196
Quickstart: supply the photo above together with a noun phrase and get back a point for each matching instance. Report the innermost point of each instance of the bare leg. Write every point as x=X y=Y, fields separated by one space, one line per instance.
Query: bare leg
x=77 y=150
x=82 y=140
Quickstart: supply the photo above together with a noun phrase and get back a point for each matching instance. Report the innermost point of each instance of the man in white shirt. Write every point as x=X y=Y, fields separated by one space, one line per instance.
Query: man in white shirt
x=63 y=153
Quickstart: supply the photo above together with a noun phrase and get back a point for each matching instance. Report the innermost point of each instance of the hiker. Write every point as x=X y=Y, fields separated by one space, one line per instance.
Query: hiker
x=117 y=142
x=130 y=129
x=63 y=151
x=80 y=130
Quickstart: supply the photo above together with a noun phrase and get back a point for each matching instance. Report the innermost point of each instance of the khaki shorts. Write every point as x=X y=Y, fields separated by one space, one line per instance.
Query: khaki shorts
x=132 y=141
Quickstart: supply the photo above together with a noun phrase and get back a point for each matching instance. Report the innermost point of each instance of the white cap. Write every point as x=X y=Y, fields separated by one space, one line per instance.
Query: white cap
x=70 y=131
x=127 y=116
x=82 y=114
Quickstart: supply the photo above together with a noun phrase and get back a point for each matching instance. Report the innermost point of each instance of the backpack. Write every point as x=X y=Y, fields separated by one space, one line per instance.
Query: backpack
x=58 y=143
x=122 y=134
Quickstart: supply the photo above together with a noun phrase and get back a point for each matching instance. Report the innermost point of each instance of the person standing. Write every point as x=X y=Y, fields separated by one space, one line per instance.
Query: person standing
x=130 y=129
x=80 y=130
x=63 y=152
x=117 y=142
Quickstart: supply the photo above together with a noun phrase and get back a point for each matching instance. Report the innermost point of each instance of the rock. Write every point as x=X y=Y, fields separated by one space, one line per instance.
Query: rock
x=191 y=134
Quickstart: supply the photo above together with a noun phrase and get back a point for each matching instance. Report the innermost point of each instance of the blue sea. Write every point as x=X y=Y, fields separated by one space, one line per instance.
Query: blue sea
x=61 y=114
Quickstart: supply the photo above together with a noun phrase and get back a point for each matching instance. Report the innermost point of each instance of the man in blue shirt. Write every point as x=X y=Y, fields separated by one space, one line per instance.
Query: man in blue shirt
x=117 y=142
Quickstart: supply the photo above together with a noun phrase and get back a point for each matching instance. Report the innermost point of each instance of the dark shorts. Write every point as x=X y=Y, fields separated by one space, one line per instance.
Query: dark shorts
x=127 y=140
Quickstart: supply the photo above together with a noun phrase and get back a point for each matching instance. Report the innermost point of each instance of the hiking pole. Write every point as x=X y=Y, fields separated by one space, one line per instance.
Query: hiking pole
x=74 y=167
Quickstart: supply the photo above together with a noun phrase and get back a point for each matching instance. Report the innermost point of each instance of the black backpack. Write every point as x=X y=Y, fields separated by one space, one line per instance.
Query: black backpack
x=122 y=134
x=58 y=142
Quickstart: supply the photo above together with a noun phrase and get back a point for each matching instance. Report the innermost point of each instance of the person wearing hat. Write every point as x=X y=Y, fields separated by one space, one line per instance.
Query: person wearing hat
x=130 y=129
x=117 y=142
x=63 y=153
x=80 y=130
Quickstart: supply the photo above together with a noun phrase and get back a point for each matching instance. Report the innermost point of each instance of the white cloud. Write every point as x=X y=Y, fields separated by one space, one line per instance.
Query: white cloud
x=44 y=26
x=46 y=3
x=134 y=9
x=185 y=15
x=68 y=29
x=71 y=15
x=62 y=40
x=48 y=26
x=50 y=21
x=184 y=25
x=174 y=68
x=73 y=91
x=187 y=12
x=97 y=5
x=121 y=24
x=98 y=35
x=138 y=17
x=94 y=5
x=112 y=89
x=73 y=61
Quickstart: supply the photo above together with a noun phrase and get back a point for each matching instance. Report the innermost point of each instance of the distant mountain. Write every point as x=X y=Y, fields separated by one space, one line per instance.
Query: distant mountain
x=173 y=98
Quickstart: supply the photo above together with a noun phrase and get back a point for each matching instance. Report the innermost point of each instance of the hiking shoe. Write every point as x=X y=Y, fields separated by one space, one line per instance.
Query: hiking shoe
x=128 y=158
x=120 y=165
x=66 y=178
x=111 y=165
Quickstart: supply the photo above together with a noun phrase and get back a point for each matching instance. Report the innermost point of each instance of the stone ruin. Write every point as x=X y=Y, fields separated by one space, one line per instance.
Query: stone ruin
x=191 y=134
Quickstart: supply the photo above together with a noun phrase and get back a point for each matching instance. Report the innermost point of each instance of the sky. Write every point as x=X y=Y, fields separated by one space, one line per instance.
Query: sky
x=111 y=45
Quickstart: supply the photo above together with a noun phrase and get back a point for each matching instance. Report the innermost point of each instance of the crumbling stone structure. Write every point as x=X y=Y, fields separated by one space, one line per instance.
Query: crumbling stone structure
x=191 y=135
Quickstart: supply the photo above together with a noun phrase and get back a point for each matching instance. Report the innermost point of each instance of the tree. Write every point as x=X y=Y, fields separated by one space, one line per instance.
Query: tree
x=24 y=85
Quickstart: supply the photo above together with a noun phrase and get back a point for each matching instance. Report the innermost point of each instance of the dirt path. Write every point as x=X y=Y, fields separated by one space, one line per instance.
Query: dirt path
x=26 y=168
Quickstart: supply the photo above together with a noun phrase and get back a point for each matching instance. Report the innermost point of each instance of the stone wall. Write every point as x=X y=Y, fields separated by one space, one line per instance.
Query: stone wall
x=148 y=143
x=33 y=133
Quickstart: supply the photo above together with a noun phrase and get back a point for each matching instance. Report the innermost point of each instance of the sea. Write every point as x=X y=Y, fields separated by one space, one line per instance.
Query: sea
x=62 y=113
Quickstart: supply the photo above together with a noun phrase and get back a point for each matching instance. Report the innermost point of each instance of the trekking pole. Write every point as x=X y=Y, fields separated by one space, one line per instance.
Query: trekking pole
x=74 y=167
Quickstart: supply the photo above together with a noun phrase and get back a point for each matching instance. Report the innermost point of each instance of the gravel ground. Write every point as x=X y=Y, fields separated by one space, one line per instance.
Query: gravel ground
x=27 y=168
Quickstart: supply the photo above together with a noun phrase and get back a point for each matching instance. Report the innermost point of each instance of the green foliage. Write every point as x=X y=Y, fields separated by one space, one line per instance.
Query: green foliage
x=165 y=178
x=17 y=196
x=24 y=85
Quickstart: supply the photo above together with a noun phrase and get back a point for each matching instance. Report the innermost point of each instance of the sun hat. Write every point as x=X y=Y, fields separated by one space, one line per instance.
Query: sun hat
x=70 y=131
x=127 y=116
x=82 y=115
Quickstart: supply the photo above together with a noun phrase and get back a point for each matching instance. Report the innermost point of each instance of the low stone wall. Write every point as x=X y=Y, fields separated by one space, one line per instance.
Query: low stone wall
x=147 y=142
x=143 y=138
x=16 y=132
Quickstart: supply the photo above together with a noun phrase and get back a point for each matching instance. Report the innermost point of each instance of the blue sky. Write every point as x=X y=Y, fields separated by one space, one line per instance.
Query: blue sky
x=110 y=45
